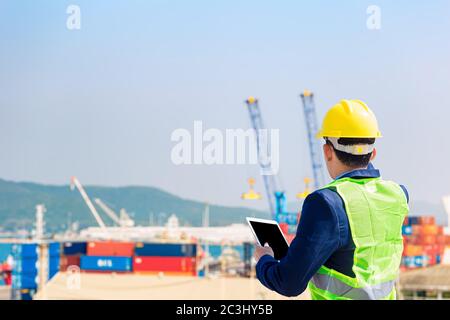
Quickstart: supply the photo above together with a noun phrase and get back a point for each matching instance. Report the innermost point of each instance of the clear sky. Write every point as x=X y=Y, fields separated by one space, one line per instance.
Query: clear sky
x=101 y=102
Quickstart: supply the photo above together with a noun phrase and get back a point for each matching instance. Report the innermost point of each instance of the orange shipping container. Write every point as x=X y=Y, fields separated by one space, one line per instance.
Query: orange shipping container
x=412 y=250
x=416 y=229
x=110 y=248
x=430 y=229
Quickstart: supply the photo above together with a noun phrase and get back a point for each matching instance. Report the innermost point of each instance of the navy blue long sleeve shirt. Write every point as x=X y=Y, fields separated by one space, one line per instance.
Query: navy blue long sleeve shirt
x=323 y=238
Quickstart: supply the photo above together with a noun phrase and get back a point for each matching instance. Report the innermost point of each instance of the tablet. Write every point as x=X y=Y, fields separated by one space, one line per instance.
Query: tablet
x=268 y=231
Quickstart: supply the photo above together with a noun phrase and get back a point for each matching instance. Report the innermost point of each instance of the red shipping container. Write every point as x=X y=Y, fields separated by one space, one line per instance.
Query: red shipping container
x=66 y=261
x=406 y=221
x=165 y=264
x=427 y=239
x=440 y=230
x=289 y=237
x=284 y=228
x=447 y=240
x=440 y=239
x=427 y=220
x=110 y=248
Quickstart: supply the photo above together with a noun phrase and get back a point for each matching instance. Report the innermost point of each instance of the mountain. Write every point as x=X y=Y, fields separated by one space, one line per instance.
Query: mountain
x=18 y=201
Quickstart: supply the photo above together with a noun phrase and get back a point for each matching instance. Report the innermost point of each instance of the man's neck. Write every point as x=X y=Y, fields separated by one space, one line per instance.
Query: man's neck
x=345 y=169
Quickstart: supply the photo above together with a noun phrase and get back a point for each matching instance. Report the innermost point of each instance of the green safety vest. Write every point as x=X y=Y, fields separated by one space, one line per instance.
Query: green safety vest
x=375 y=209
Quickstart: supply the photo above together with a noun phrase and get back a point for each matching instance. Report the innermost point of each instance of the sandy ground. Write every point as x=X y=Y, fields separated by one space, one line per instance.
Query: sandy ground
x=151 y=287
x=5 y=292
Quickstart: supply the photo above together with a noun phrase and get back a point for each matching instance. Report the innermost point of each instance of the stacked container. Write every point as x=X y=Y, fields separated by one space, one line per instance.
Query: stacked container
x=169 y=258
x=288 y=223
x=424 y=242
x=107 y=256
x=71 y=255
x=26 y=267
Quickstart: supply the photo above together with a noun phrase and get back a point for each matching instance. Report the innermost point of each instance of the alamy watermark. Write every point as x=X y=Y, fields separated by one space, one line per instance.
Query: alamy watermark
x=73 y=21
x=227 y=147
x=373 y=21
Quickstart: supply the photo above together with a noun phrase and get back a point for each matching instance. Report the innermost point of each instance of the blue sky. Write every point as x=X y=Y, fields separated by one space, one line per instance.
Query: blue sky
x=101 y=102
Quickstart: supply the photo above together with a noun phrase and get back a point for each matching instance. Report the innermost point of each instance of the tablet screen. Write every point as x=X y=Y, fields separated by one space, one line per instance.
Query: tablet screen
x=271 y=234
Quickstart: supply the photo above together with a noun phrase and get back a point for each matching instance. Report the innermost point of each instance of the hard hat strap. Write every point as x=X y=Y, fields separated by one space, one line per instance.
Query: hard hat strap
x=355 y=149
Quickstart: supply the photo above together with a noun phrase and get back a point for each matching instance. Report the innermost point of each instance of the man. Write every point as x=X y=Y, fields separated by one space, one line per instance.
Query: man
x=349 y=240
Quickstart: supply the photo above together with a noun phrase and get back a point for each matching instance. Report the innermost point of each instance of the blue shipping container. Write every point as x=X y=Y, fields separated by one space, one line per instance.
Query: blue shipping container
x=25 y=250
x=420 y=261
x=54 y=249
x=30 y=265
x=281 y=218
x=24 y=281
x=166 y=249
x=292 y=219
x=74 y=248
x=292 y=229
x=95 y=263
x=413 y=220
x=407 y=230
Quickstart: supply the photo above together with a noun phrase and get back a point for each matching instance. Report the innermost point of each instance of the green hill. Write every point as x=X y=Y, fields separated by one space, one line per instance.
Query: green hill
x=18 y=201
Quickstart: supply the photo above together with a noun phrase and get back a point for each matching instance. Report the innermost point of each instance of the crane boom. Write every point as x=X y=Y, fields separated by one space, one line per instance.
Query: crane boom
x=275 y=196
x=75 y=183
x=309 y=110
x=107 y=210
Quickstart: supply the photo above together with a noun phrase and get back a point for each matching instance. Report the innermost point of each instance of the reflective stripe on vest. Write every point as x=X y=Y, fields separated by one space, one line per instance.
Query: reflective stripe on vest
x=337 y=287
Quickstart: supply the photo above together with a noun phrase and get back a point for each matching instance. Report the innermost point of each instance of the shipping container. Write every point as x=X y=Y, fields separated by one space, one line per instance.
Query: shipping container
x=31 y=265
x=24 y=281
x=164 y=264
x=430 y=229
x=292 y=229
x=25 y=250
x=284 y=228
x=54 y=249
x=427 y=220
x=426 y=239
x=407 y=230
x=110 y=248
x=406 y=222
x=103 y=263
x=413 y=220
x=22 y=294
x=412 y=250
x=292 y=218
x=67 y=261
x=166 y=249
x=421 y=261
x=290 y=237
x=281 y=218
x=74 y=248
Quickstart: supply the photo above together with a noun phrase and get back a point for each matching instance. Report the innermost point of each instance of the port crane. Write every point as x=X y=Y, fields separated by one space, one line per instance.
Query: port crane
x=309 y=110
x=251 y=194
x=275 y=195
x=74 y=182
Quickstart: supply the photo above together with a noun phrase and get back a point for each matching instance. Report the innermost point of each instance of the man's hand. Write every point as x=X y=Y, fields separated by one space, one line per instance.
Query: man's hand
x=262 y=251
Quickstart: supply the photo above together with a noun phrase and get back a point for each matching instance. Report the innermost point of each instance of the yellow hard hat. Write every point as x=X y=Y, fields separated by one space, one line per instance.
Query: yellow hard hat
x=349 y=119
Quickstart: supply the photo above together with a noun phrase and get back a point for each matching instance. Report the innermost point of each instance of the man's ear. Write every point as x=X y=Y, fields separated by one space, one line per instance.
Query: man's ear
x=374 y=154
x=328 y=152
